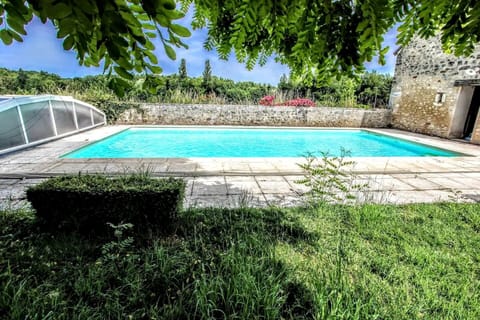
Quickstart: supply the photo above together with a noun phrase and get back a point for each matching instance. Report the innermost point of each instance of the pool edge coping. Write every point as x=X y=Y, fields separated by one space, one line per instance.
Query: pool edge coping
x=415 y=138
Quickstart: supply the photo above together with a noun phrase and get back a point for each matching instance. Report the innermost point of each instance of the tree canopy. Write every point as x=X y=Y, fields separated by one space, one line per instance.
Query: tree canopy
x=313 y=38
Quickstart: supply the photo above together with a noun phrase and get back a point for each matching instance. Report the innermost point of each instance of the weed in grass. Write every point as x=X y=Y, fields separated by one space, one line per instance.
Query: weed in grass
x=145 y=170
x=372 y=191
x=455 y=196
x=244 y=200
x=115 y=250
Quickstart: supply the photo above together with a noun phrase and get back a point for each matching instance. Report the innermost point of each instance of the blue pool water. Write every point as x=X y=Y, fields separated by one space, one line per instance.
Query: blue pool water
x=232 y=142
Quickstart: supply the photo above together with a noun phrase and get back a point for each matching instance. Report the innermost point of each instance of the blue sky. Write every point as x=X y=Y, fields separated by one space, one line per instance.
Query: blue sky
x=41 y=50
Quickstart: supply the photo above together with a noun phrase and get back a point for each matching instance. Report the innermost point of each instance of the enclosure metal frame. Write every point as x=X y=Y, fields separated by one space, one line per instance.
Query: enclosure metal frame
x=17 y=101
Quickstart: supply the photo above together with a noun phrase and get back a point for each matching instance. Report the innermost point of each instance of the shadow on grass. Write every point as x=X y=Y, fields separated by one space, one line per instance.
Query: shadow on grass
x=219 y=263
x=226 y=225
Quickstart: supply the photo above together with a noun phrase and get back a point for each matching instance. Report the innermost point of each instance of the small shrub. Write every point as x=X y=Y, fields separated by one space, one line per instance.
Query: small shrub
x=86 y=203
x=267 y=101
x=329 y=179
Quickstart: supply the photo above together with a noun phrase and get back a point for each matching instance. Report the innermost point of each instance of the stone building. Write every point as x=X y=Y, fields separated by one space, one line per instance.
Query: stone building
x=436 y=93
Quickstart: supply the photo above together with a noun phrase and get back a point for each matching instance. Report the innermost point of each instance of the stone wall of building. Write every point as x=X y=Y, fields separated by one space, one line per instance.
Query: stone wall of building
x=476 y=131
x=252 y=115
x=424 y=96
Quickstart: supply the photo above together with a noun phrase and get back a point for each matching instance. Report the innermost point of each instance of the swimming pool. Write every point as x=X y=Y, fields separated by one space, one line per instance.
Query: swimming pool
x=188 y=142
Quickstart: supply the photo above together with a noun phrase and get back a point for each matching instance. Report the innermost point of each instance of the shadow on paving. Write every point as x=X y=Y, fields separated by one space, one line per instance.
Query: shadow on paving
x=206 y=192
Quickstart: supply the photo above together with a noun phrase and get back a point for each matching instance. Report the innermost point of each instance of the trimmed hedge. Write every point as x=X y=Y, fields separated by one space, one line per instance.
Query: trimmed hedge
x=86 y=203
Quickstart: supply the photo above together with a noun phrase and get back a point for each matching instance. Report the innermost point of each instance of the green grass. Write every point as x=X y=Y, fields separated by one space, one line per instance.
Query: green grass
x=341 y=262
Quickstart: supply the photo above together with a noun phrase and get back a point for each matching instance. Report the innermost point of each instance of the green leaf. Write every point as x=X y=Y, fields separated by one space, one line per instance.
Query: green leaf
x=88 y=7
x=65 y=28
x=151 y=34
x=149 y=45
x=173 y=14
x=68 y=43
x=152 y=57
x=80 y=19
x=15 y=35
x=170 y=52
x=136 y=8
x=124 y=63
x=16 y=25
x=141 y=39
x=149 y=26
x=180 y=30
x=113 y=50
x=163 y=20
x=143 y=17
x=59 y=11
x=130 y=19
x=155 y=69
x=123 y=73
x=168 y=4
x=6 y=37
x=14 y=14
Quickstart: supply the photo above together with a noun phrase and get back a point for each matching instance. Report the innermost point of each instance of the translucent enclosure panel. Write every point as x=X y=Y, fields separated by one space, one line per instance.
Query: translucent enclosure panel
x=63 y=114
x=38 y=122
x=83 y=116
x=10 y=129
x=97 y=117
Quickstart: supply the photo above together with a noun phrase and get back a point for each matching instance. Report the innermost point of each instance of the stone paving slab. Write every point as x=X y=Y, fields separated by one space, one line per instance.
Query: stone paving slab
x=226 y=201
x=448 y=183
x=420 y=183
x=209 y=186
x=239 y=185
x=281 y=200
x=274 y=186
x=467 y=181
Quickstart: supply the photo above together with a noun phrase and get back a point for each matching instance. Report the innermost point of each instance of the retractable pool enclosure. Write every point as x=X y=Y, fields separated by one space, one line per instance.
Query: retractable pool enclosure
x=31 y=120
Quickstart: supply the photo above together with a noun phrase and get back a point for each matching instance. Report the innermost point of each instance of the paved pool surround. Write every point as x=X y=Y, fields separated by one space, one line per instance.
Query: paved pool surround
x=258 y=182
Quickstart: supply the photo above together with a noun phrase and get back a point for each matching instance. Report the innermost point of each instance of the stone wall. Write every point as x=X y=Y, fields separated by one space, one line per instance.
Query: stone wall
x=476 y=131
x=424 y=96
x=252 y=115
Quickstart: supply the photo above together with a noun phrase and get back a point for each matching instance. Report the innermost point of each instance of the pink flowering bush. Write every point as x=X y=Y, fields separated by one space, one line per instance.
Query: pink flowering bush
x=299 y=102
x=267 y=101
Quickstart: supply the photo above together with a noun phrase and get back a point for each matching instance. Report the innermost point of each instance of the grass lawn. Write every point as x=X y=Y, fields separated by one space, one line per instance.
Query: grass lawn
x=358 y=262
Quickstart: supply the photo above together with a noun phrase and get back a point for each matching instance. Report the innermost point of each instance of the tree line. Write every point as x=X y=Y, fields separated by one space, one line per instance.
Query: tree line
x=370 y=90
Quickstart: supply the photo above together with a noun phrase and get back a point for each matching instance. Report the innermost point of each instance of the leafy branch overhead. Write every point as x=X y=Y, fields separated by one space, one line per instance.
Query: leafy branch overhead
x=324 y=38
x=315 y=38
x=116 y=33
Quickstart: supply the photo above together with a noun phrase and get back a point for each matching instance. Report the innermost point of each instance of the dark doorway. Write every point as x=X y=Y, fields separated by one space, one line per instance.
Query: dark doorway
x=472 y=114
